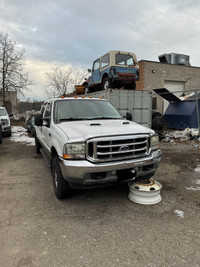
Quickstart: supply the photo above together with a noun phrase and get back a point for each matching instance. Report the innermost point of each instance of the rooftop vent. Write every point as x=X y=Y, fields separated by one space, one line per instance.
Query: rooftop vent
x=174 y=58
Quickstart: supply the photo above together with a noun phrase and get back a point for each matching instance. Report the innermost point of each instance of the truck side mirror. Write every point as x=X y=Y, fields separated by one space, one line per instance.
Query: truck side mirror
x=89 y=70
x=38 y=119
x=128 y=116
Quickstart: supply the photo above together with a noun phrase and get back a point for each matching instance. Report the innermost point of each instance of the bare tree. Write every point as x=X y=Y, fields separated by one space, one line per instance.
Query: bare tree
x=79 y=75
x=13 y=77
x=61 y=79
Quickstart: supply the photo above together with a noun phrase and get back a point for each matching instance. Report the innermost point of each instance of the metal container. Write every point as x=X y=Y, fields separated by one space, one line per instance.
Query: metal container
x=138 y=103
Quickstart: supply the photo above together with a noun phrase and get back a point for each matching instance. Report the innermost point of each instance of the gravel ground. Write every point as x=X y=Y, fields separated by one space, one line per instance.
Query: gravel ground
x=98 y=227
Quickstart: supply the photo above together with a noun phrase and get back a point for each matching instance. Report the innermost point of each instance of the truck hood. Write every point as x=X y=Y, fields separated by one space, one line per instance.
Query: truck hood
x=4 y=117
x=83 y=130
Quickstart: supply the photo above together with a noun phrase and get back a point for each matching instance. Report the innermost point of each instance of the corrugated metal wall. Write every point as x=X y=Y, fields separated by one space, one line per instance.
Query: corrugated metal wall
x=138 y=103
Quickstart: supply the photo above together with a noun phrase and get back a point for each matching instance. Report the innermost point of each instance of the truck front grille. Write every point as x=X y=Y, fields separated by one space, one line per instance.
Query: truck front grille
x=117 y=148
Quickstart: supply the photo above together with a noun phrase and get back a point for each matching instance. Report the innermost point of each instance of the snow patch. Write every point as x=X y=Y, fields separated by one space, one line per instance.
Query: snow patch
x=197 y=182
x=180 y=213
x=193 y=188
x=197 y=169
x=20 y=135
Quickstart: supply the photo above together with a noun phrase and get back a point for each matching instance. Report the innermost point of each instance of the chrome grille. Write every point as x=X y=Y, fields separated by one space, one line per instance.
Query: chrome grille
x=117 y=148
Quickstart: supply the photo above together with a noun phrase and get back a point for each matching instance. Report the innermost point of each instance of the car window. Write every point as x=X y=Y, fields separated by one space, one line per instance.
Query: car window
x=122 y=59
x=96 y=65
x=47 y=112
x=42 y=109
x=2 y=112
x=105 y=61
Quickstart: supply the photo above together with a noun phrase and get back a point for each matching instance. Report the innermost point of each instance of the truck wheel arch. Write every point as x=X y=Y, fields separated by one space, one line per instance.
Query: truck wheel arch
x=61 y=186
x=53 y=153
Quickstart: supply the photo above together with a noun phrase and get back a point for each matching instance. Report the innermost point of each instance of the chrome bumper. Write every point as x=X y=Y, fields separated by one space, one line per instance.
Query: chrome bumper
x=6 y=129
x=79 y=171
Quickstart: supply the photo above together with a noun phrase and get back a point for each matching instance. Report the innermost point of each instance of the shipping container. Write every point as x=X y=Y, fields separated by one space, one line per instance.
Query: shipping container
x=138 y=103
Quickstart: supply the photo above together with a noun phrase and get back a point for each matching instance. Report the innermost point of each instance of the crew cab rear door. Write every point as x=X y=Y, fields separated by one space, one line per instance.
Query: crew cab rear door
x=46 y=128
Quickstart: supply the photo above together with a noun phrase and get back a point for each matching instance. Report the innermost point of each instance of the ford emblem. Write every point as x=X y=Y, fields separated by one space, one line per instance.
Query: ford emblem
x=124 y=148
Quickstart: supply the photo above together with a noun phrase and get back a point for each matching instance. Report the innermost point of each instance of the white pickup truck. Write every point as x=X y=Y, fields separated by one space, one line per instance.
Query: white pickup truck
x=87 y=143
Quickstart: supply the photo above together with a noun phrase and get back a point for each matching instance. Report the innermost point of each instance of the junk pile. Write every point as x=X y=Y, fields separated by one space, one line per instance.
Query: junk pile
x=181 y=111
x=182 y=136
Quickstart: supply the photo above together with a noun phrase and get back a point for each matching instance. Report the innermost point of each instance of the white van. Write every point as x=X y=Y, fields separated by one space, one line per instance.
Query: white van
x=5 y=121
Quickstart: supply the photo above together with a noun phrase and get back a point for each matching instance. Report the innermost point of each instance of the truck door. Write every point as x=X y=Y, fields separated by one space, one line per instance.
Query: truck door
x=46 y=129
x=96 y=71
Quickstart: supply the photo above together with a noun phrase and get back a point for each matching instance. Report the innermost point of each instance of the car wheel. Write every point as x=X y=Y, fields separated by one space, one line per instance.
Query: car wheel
x=37 y=146
x=9 y=134
x=106 y=84
x=61 y=187
x=1 y=138
x=87 y=89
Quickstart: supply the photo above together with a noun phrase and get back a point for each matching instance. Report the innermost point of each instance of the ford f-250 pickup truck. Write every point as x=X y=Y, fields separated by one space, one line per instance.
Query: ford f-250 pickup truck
x=87 y=143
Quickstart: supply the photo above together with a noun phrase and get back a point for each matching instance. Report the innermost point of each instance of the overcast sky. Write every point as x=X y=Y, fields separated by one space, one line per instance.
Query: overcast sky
x=77 y=32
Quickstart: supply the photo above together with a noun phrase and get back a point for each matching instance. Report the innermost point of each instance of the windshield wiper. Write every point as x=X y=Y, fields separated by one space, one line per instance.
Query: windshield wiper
x=106 y=118
x=85 y=119
x=71 y=119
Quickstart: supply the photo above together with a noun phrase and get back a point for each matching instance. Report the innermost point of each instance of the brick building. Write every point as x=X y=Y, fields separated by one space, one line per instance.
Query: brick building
x=176 y=78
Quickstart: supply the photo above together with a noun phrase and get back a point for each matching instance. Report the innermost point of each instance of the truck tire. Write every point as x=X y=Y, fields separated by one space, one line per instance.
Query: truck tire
x=61 y=187
x=106 y=84
x=9 y=134
x=37 y=146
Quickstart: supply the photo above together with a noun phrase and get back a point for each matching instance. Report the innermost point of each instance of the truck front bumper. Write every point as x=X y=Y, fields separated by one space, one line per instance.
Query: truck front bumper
x=6 y=129
x=83 y=172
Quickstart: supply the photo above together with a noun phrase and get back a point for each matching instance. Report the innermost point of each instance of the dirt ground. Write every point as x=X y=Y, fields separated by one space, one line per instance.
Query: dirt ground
x=98 y=227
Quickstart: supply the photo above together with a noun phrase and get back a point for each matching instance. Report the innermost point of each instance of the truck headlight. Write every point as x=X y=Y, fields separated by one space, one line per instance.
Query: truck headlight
x=74 y=151
x=154 y=142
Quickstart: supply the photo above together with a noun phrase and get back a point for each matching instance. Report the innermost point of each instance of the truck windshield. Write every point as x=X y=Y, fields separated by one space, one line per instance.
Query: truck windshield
x=2 y=112
x=122 y=59
x=79 y=109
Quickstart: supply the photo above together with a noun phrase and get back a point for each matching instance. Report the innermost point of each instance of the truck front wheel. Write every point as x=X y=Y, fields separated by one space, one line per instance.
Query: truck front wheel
x=61 y=187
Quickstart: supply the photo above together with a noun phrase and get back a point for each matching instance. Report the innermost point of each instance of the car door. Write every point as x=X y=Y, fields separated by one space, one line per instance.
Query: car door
x=96 y=71
x=46 y=128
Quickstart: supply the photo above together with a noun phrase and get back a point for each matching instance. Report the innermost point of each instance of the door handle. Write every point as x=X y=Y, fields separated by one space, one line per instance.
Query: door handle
x=49 y=134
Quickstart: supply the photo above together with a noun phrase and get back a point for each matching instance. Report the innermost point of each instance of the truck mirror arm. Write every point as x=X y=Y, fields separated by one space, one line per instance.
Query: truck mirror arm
x=128 y=116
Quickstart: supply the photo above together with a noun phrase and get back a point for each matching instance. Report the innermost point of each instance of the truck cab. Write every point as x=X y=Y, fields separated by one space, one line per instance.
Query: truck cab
x=114 y=69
